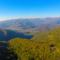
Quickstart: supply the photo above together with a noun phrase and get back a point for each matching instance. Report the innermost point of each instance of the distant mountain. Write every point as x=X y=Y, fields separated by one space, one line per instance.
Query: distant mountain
x=30 y=25
x=17 y=23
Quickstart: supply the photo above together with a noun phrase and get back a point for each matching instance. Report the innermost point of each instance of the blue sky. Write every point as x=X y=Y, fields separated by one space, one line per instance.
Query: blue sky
x=29 y=8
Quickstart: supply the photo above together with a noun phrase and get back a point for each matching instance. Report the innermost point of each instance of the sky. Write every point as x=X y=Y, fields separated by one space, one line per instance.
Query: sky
x=29 y=9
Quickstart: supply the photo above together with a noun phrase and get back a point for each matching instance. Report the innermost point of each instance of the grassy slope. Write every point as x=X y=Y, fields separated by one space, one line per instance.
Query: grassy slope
x=44 y=46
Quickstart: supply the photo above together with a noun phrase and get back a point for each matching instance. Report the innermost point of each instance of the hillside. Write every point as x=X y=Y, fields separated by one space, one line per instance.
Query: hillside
x=37 y=39
x=43 y=46
x=6 y=35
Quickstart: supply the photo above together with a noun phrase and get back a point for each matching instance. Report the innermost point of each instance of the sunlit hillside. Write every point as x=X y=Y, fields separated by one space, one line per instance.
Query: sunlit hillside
x=43 y=46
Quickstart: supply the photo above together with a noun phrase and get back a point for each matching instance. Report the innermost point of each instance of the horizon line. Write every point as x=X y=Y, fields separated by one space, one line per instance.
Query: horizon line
x=4 y=19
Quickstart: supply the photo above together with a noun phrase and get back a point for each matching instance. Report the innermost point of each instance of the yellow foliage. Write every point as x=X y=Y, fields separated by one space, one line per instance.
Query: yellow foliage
x=44 y=46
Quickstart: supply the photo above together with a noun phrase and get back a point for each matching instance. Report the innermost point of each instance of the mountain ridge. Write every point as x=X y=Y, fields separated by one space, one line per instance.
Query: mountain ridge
x=32 y=24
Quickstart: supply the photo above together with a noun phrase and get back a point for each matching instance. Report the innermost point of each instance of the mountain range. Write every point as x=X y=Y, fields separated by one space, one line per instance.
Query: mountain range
x=30 y=25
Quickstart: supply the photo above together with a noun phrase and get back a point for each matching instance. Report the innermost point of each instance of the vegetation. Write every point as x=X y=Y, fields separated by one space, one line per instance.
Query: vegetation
x=6 y=53
x=43 y=46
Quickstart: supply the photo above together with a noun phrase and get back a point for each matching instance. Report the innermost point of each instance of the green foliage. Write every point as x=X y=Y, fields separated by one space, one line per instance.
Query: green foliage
x=43 y=46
